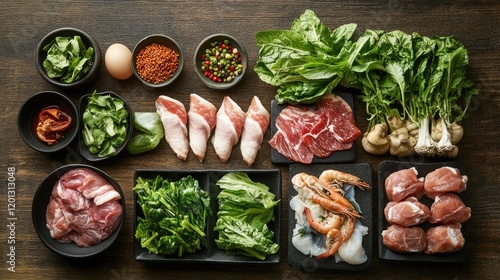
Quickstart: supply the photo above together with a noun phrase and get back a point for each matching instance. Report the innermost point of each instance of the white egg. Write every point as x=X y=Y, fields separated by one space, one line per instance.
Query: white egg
x=118 y=61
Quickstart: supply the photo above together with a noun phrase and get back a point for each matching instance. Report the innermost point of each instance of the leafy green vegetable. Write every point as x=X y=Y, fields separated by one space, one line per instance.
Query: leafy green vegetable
x=175 y=215
x=307 y=61
x=105 y=123
x=245 y=208
x=68 y=59
x=151 y=128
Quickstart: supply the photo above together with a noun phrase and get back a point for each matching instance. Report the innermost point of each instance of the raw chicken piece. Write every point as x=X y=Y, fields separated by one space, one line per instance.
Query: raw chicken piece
x=256 y=124
x=404 y=183
x=448 y=208
x=404 y=239
x=174 y=118
x=406 y=213
x=444 y=239
x=444 y=179
x=202 y=120
x=230 y=121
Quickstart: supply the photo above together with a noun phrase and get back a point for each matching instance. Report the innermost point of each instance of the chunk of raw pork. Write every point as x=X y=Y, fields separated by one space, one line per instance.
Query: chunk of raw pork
x=404 y=239
x=404 y=183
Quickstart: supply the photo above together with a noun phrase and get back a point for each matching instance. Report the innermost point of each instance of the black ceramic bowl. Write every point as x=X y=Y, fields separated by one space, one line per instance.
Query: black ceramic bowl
x=160 y=40
x=27 y=120
x=82 y=147
x=39 y=207
x=87 y=40
x=201 y=49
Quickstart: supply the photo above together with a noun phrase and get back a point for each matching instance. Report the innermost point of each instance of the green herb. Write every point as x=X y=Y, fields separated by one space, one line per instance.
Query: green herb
x=105 y=123
x=175 y=215
x=151 y=128
x=67 y=59
x=245 y=208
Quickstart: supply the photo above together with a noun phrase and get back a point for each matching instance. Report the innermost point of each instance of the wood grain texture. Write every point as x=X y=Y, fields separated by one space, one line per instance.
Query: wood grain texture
x=23 y=23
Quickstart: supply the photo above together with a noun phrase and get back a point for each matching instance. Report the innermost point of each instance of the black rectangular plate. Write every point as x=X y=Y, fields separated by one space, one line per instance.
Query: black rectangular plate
x=211 y=253
x=336 y=157
x=365 y=201
x=388 y=167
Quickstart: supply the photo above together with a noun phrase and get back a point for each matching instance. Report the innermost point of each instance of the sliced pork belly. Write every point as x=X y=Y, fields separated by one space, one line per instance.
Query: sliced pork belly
x=292 y=123
x=73 y=213
x=444 y=179
x=174 y=117
x=404 y=183
x=202 y=119
x=90 y=184
x=406 y=213
x=230 y=121
x=444 y=239
x=256 y=124
x=404 y=239
x=448 y=208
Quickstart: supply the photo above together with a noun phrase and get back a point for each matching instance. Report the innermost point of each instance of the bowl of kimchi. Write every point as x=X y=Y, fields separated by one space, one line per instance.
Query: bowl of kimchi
x=48 y=121
x=78 y=211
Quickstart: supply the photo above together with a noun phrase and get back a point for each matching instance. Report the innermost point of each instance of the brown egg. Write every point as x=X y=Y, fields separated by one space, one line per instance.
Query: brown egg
x=118 y=61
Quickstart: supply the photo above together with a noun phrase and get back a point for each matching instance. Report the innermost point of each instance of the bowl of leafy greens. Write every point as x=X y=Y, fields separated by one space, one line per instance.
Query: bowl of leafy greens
x=68 y=58
x=107 y=124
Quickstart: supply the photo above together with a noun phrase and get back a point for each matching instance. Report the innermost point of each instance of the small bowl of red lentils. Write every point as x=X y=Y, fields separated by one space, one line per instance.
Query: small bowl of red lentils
x=220 y=61
x=157 y=60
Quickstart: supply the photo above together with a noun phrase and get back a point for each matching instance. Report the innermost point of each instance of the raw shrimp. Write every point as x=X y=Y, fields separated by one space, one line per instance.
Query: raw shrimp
x=310 y=186
x=337 y=178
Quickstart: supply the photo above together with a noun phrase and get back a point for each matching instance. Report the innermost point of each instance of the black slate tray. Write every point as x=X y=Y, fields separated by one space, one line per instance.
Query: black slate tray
x=212 y=254
x=388 y=167
x=336 y=157
x=364 y=199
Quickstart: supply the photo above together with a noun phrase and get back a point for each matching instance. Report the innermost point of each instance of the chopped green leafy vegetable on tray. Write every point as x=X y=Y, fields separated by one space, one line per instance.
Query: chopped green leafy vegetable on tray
x=245 y=209
x=68 y=59
x=105 y=123
x=175 y=215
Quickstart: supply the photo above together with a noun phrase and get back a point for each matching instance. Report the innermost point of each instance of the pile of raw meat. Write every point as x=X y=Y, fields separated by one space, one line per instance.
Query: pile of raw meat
x=407 y=214
x=84 y=208
x=304 y=133
x=230 y=123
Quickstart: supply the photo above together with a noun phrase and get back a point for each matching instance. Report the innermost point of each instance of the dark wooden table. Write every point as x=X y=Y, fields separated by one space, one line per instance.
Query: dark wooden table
x=23 y=23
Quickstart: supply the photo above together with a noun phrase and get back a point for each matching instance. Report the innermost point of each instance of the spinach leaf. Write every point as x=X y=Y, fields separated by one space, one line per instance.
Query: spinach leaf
x=175 y=215
x=104 y=124
x=67 y=59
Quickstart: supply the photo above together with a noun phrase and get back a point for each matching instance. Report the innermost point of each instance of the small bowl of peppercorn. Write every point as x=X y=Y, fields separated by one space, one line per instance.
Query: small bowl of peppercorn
x=157 y=60
x=68 y=58
x=48 y=121
x=220 y=61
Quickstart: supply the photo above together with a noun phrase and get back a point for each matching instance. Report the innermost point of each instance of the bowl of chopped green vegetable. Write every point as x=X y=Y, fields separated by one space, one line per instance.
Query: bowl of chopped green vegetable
x=107 y=124
x=68 y=58
x=157 y=60
x=220 y=61
x=48 y=122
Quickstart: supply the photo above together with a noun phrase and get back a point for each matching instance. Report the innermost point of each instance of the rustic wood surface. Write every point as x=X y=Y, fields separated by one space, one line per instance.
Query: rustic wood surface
x=23 y=23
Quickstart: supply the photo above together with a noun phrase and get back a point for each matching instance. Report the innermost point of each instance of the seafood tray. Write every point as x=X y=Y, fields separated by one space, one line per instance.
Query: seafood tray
x=363 y=198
